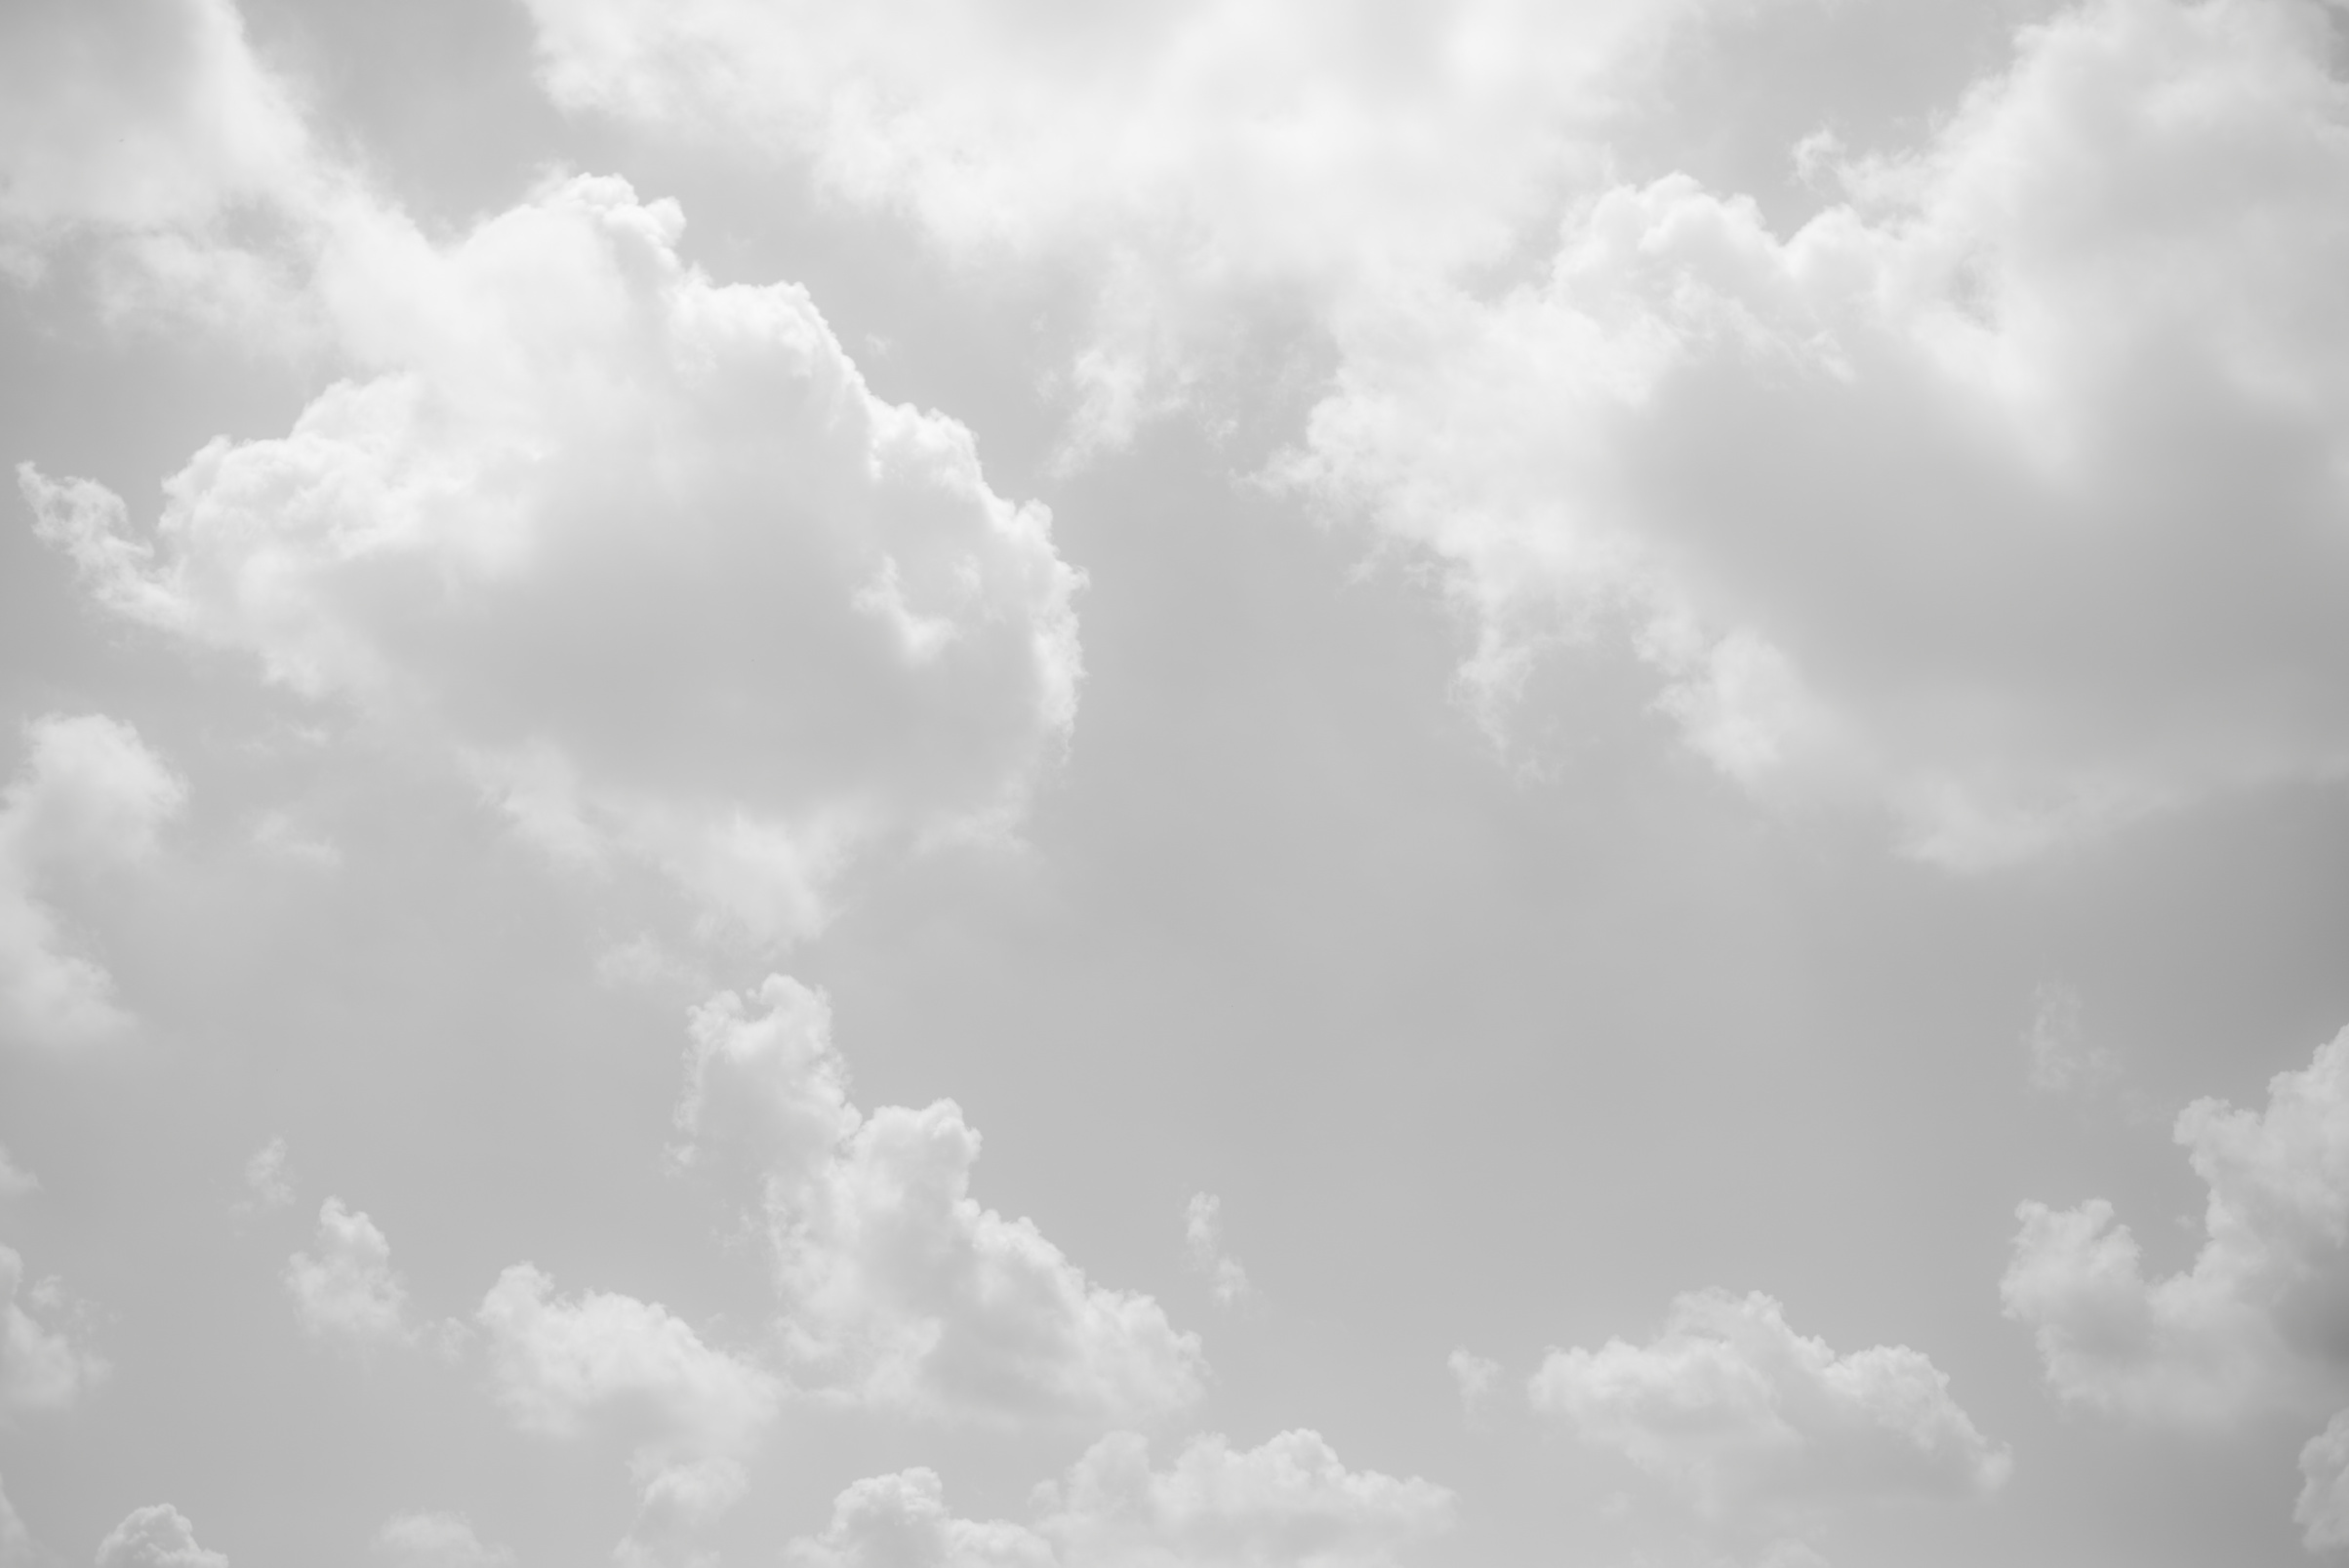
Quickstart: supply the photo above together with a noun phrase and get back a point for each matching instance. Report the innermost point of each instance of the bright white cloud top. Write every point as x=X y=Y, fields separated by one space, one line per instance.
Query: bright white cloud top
x=1712 y=649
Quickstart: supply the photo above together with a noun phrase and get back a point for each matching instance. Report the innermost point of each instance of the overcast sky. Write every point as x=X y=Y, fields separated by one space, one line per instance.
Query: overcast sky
x=1079 y=784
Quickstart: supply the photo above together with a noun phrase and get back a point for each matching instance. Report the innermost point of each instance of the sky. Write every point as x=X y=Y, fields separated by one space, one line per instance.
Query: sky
x=1105 y=786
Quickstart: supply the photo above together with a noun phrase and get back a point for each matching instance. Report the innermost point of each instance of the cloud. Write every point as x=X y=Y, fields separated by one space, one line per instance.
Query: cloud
x=146 y=131
x=1196 y=168
x=436 y=1540
x=1475 y=1374
x=157 y=1535
x=2002 y=495
x=2257 y=1318
x=41 y=1367
x=641 y=552
x=1289 y=1502
x=16 y=1182
x=16 y=1548
x=1744 y=1417
x=348 y=1293
x=695 y=1413
x=2322 y=1511
x=268 y=1183
x=898 y=1288
x=2062 y=1058
x=1204 y=1234
x=88 y=795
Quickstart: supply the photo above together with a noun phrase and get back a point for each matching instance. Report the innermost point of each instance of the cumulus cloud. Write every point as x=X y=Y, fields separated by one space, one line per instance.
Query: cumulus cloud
x=436 y=1540
x=88 y=795
x=157 y=1535
x=898 y=1288
x=1195 y=166
x=2004 y=494
x=695 y=1412
x=1744 y=1417
x=1204 y=1235
x=347 y=1291
x=1289 y=1502
x=41 y=1366
x=2256 y=1320
x=639 y=551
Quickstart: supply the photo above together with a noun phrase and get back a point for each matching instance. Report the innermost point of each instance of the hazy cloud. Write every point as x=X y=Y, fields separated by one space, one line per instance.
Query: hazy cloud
x=16 y=1182
x=1475 y=1374
x=347 y=1291
x=268 y=1182
x=436 y=1540
x=41 y=1366
x=1204 y=1235
x=2063 y=1059
x=90 y=795
x=16 y=1548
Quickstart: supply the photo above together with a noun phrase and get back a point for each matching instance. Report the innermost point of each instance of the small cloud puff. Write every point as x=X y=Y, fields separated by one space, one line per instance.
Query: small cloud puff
x=1475 y=1374
x=2254 y=1320
x=1289 y=1502
x=16 y=1182
x=90 y=795
x=348 y=1293
x=898 y=1288
x=436 y=1540
x=1204 y=1234
x=41 y=1366
x=1745 y=1419
x=269 y=1181
x=158 y=1536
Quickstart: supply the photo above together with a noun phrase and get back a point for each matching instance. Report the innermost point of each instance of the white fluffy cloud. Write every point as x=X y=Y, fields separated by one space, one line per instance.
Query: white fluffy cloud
x=1288 y=1503
x=2257 y=1319
x=41 y=1366
x=898 y=1288
x=640 y=552
x=696 y=1411
x=1204 y=1235
x=1745 y=1418
x=347 y=1291
x=436 y=1540
x=1196 y=165
x=158 y=1536
x=90 y=795
x=2005 y=493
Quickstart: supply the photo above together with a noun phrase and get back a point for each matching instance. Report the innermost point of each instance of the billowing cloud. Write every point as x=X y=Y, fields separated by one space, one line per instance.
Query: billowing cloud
x=898 y=1288
x=347 y=1291
x=436 y=1540
x=1743 y=1416
x=90 y=795
x=158 y=1536
x=1203 y=1236
x=1288 y=1503
x=1198 y=167
x=641 y=551
x=2005 y=494
x=695 y=1412
x=41 y=1365
x=2258 y=1317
